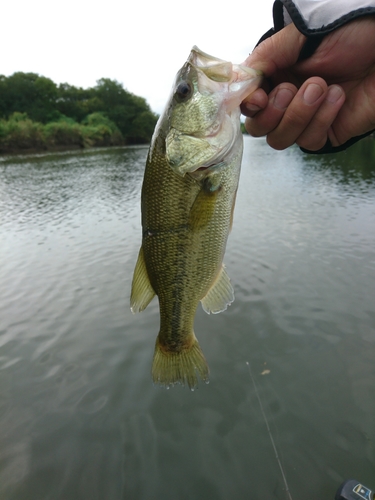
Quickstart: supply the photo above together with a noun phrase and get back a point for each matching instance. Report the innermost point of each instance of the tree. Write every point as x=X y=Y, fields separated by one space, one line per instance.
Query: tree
x=29 y=93
x=123 y=108
x=71 y=101
x=142 y=127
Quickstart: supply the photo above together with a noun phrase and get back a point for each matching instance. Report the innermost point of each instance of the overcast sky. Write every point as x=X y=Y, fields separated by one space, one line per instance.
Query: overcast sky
x=141 y=44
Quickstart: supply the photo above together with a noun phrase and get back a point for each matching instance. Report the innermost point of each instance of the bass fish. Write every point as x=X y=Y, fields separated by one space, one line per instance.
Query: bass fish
x=187 y=202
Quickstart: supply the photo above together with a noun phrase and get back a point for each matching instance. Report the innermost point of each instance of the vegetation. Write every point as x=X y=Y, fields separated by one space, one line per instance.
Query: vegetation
x=37 y=114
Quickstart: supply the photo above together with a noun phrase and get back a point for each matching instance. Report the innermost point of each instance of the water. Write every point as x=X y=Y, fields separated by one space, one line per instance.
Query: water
x=79 y=416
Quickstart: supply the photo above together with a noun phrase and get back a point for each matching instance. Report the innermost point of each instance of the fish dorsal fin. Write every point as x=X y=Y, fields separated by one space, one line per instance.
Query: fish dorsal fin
x=142 y=292
x=220 y=295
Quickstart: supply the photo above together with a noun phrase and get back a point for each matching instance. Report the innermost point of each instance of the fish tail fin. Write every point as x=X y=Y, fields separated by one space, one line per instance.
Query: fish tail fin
x=179 y=367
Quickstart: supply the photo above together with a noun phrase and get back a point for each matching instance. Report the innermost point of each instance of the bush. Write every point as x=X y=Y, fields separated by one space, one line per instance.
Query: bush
x=62 y=133
x=19 y=132
x=99 y=130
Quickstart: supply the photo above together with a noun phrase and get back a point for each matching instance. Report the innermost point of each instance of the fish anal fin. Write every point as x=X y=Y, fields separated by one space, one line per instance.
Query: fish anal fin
x=220 y=295
x=183 y=367
x=142 y=292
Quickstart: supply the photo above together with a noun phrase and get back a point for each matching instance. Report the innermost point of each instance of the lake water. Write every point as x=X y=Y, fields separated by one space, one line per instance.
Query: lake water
x=292 y=360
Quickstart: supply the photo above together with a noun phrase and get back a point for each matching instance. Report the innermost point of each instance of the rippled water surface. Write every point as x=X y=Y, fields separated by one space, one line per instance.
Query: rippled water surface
x=79 y=416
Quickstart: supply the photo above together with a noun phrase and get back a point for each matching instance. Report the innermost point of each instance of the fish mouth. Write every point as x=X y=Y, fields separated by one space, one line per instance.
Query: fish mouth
x=214 y=68
x=238 y=79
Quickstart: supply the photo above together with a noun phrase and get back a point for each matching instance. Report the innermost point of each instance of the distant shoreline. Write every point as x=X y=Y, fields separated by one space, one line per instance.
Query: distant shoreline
x=66 y=149
x=53 y=149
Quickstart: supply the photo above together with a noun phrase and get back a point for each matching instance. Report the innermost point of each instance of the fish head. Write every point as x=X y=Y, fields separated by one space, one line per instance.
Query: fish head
x=202 y=116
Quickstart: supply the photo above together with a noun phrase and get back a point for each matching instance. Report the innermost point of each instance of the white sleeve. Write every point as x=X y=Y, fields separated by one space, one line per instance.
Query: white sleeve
x=319 y=17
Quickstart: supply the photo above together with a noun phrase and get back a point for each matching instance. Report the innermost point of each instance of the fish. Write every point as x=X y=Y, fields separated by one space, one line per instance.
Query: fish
x=187 y=202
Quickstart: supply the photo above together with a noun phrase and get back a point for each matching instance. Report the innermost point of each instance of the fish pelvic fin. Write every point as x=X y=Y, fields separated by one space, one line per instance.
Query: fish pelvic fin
x=179 y=367
x=142 y=292
x=220 y=295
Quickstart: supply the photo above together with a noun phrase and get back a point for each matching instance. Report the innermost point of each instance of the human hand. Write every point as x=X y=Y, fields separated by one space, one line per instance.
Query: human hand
x=330 y=95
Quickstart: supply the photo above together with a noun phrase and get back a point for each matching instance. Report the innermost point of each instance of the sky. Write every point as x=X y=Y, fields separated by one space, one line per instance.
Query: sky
x=141 y=44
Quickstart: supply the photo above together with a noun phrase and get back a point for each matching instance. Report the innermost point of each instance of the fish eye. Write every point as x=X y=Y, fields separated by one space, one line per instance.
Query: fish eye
x=183 y=91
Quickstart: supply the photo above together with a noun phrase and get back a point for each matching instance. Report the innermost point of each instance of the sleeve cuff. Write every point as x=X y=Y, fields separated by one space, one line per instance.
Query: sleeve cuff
x=319 y=17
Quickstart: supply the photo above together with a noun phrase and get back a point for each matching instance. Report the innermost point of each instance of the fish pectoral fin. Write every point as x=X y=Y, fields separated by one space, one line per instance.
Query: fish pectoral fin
x=142 y=292
x=220 y=295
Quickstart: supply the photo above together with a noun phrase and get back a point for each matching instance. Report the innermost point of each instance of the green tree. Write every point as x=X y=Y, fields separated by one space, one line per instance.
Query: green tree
x=29 y=93
x=3 y=99
x=123 y=108
x=142 y=127
x=71 y=101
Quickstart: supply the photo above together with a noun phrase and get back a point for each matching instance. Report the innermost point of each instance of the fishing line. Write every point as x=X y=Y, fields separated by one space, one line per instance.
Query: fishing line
x=269 y=433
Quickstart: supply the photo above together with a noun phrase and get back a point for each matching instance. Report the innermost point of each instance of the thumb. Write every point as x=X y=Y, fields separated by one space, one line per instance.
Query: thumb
x=279 y=51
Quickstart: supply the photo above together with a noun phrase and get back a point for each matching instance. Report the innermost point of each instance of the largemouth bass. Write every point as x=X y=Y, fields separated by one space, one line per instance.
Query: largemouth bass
x=188 y=196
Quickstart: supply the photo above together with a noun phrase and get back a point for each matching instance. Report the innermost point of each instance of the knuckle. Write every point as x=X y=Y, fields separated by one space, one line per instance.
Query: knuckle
x=295 y=119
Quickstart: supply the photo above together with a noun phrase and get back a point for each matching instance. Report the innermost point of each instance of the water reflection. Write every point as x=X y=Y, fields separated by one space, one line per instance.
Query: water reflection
x=353 y=167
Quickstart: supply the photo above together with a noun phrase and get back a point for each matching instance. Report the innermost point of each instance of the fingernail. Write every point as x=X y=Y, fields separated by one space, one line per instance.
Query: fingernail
x=312 y=93
x=252 y=108
x=334 y=93
x=283 y=98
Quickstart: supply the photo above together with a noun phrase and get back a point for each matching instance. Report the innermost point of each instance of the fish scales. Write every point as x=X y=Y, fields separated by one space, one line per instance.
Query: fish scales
x=187 y=203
